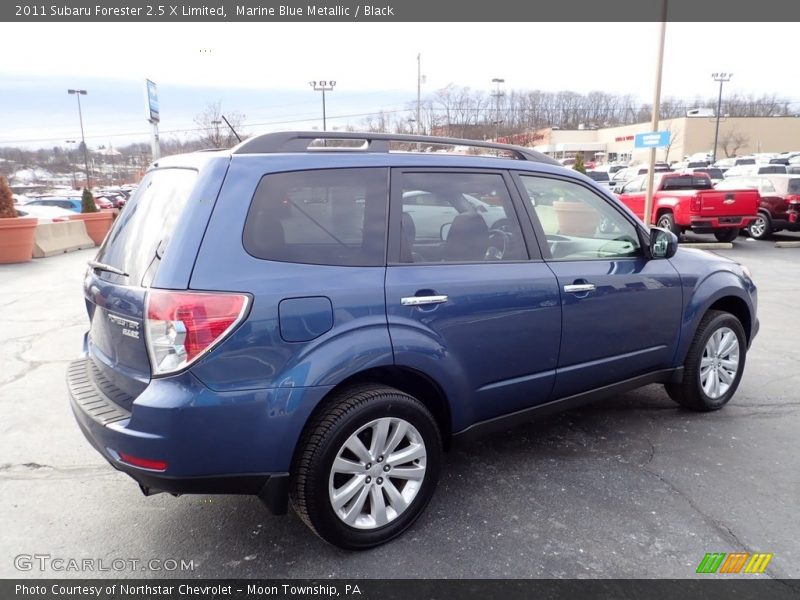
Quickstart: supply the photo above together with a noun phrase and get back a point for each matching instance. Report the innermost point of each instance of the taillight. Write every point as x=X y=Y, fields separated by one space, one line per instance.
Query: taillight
x=144 y=463
x=696 y=204
x=183 y=326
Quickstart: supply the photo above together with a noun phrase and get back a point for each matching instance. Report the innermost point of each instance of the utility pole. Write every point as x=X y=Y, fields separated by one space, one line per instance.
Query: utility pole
x=78 y=94
x=323 y=86
x=419 y=93
x=497 y=93
x=69 y=159
x=722 y=78
x=648 y=204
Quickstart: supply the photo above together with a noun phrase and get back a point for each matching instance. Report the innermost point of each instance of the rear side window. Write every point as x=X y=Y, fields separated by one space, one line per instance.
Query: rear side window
x=143 y=229
x=322 y=217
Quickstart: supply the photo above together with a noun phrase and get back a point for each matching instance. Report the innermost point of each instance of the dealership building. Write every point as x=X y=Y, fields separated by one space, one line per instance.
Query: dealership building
x=689 y=135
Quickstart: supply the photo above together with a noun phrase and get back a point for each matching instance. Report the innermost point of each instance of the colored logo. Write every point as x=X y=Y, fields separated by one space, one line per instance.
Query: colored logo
x=735 y=562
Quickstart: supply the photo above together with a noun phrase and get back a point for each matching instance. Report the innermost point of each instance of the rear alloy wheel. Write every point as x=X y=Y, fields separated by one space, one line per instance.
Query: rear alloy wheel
x=761 y=228
x=366 y=466
x=667 y=221
x=726 y=235
x=714 y=364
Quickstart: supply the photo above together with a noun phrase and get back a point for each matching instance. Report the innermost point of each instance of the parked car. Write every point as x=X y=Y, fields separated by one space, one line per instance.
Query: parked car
x=431 y=211
x=714 y=173
x=600 y=177
x=45 y=214
x=68 y=203
x=688 y=202
x=634 y=172
x=265 y=321
x=751 y=170
x=779 y=205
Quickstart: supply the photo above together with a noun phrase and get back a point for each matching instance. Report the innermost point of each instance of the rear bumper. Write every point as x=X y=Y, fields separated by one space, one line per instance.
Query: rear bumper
x=210 y=442
x=711 y=224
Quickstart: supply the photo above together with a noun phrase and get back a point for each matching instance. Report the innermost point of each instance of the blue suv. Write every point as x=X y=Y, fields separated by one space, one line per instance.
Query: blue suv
x=312 y=318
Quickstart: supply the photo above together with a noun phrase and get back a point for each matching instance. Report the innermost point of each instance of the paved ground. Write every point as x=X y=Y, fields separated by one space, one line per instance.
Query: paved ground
x=632 y=487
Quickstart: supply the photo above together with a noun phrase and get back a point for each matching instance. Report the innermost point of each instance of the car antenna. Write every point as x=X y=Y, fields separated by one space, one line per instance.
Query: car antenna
x=231 y=127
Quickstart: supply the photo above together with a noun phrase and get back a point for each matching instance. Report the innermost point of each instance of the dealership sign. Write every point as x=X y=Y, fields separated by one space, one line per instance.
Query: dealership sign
x=658 y=139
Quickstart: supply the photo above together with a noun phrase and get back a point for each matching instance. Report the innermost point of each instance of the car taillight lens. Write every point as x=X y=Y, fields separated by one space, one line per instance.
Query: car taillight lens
x=695 y=205
x=182 y=326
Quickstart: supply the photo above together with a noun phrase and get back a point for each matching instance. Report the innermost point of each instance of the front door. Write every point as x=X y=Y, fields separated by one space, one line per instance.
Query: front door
x=621 y=312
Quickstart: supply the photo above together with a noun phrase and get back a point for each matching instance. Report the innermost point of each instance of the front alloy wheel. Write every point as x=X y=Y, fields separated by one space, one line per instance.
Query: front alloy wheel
x=714 y=364
x=720 y=363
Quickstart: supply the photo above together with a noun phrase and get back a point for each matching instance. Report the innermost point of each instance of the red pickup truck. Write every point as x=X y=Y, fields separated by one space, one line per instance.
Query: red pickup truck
x=684 y=201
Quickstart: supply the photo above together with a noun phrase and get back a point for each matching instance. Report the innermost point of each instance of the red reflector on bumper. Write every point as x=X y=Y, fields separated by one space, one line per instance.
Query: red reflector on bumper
x=144 y=463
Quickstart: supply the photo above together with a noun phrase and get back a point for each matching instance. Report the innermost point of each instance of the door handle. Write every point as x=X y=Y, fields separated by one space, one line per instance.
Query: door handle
x=579 y=288
x=422 y=300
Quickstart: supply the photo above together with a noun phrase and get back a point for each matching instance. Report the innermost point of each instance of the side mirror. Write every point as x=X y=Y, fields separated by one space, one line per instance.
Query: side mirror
x=445 y=231
x=663 y=243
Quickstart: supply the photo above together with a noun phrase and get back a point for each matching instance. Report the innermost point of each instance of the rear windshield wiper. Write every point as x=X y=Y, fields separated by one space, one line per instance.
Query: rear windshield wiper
x=98 y=266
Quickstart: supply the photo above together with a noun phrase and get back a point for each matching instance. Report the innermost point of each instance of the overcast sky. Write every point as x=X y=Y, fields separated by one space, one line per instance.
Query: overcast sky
x=263 y=69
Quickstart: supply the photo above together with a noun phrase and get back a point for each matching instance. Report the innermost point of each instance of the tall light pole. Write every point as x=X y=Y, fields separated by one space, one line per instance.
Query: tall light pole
x=78 y=94
x=69 y=158
x=722 y=78
x=419 y=92
x=648 y=199
x=323 y=86
x=496 y=94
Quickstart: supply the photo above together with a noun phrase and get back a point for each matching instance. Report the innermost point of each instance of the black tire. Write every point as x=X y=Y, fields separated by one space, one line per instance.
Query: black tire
x=342 y=415
x=728 y=234
x=667 y=221
x=761 y=228
x=690 y=393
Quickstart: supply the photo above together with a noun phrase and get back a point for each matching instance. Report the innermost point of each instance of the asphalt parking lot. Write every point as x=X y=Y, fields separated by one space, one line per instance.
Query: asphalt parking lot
x=630 y=487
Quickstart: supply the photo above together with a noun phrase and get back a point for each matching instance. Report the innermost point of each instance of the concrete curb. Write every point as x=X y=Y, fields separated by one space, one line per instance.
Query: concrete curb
x=708 y=245
x=787 y=244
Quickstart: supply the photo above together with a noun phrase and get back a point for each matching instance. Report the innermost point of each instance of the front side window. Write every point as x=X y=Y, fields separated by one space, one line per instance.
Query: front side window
x=458 y=217
x=578 y=223
x=323 y=217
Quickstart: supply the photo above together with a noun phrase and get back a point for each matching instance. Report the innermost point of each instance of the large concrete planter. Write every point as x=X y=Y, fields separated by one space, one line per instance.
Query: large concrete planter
x=576 y=218
x=16 y=239
x=97 y=224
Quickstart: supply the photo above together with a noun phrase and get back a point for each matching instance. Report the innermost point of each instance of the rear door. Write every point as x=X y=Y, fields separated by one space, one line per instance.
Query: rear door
x=471 y=308
x=620 y=312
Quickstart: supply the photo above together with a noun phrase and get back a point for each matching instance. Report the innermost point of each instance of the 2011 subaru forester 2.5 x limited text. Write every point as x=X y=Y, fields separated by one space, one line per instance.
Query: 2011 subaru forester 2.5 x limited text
x=312 y=318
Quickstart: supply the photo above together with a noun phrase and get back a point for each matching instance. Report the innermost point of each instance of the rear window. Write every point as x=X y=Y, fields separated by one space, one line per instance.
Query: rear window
x=794 y=186
x=712 y=173
x=686 y=182
x=598 y=175
x=143 y=229
x=322 y=217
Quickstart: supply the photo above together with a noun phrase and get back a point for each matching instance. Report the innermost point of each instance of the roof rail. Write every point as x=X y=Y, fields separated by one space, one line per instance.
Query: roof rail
x=298 y=141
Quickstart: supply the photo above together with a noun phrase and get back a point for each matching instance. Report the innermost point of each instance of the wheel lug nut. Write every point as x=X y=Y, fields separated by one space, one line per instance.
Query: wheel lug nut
x=386 y=467
x=380 y=459
x=369 y=479
x=369 y=465
x=380 y=480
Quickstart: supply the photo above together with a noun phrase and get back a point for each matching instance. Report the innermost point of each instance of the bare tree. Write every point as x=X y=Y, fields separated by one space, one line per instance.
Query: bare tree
x=214 y=132
x=731 y=140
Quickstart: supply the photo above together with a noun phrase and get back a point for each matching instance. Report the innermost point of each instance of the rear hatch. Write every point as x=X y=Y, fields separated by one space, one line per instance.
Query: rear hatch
x=117 y=281
x=728 y=203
